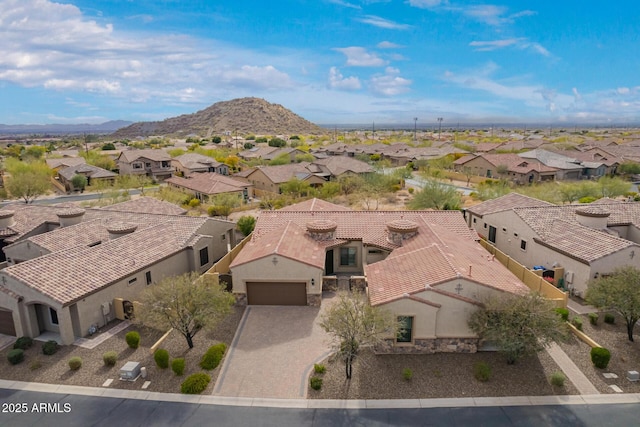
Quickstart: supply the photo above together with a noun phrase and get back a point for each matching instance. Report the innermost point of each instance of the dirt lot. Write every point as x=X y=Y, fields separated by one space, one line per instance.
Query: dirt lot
x=54 y=369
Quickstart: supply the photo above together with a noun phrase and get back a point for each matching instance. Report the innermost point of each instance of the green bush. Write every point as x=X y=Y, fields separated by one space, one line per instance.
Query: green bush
x=195 y=383
x=600 y=357
x=211 y=359
x=133 y=339
x=75 y=363
x=563 y=312
x=161 y=356
x=316 y=383
x=411 y=190
x=593 y=318
x=587 y=199
x=577 y=322
x=407 y=374
x=23 y=343
x=177 y=366
x=15 y=356
x=194 y=203
x=482 y=371
x=319 y=368
x=609 y=318
x=557 y=379
x=50 y=347
x=110 y=358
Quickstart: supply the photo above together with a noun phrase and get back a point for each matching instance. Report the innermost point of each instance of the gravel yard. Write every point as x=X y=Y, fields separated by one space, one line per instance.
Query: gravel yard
x=54 y=369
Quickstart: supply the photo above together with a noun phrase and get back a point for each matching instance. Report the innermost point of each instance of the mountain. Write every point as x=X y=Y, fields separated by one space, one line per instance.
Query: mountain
x=244 y=115
x=63 y=129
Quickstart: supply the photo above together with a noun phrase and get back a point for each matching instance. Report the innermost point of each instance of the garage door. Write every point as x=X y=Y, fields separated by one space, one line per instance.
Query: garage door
x=6 y=323
x=285 y=293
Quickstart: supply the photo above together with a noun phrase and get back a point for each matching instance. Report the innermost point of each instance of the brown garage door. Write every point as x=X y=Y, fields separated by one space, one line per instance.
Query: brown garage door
x=6 y=323
x=284 y=293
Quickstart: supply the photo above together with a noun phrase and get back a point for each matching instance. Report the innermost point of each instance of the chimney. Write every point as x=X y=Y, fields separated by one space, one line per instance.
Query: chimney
x=6 y=218
x=120 y=229
x=71 y=216
x=322 y=229
x=594 y=217
x=400 y=230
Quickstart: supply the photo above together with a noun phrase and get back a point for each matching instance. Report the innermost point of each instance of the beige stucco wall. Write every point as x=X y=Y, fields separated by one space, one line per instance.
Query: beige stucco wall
x=285 y=270
x=357 y=268
x=22 y=251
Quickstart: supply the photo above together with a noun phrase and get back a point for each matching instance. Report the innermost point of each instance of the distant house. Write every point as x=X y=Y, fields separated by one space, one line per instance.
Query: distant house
x=204 y=186
x=425 y=267
x=92 y=173
x=269 y=153
x=567 y=168
x=152 y=163
x=65 y=162
x=270 y=178
x=71 y=268
x=508 y=166
x=191 y=163
x=587 y=241
x=334 y=167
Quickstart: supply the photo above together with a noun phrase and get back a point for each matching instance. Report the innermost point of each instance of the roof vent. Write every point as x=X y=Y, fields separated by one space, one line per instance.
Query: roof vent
x=120 y=229
x=322 y=229
x=593 y=217
x=6 y=218
x=71 y=216
x=400 y=230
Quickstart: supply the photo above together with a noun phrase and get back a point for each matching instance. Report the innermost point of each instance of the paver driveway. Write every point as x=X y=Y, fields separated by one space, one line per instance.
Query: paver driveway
x=273 y=352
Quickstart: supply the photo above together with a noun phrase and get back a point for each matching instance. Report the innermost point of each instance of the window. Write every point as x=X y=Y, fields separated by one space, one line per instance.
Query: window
x=132 y=281
x=147 y=164
x=54 y=316
x=523 y=245
x=475 y=220
x=492 y=234
x=375 y=251
x=348 y=256
x=147 y=275
x=485 y=225
x=204 y=256
x=405 y=329
x=137 y=165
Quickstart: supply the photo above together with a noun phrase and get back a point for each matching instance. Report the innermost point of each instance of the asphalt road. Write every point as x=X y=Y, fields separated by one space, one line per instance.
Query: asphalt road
x=76 y=197
x=77 y=410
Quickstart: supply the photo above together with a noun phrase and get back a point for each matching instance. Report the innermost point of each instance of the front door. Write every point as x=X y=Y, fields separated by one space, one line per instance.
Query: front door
x=328 y=263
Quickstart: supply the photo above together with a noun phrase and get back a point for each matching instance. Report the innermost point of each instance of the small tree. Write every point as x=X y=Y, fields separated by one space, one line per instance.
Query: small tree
x=519 y=325
x=619 y=292
x=79 y=182
x=27 y=181
x=355 y=324
x=187 y=303
x=246 y=224
x=436 y=195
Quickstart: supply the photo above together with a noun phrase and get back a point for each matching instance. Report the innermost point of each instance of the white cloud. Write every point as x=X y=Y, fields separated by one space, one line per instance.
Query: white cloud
x=345 y=4
x=359 y=57
x=521 y=43
x=425 y=4
x=576 y=95
x=390 y=83
x=388 y=45
x=379 y=22
x=623 y=91
x=339 y=82
x=492 y=15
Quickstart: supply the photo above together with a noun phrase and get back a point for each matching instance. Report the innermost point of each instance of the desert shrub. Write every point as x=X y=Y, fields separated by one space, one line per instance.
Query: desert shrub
x=600 y=357
x=75 y=363
x=161 y=356
x=23 y=343
x=50 y=347
x=563 y=312
x=577 y=322
x=15 y=356
x=319 y=368
x=407 y=374
x=609 y=318
x=211 y=359
x=557 y=379
x=411 y=190
x=195 y=383
x=194 y=203
x=110 y=358
x=133 y=339
x=482 y=371
x=587 y=199
x=36 y=364
x=593 y=318
x=315 y=383
x=177 y=366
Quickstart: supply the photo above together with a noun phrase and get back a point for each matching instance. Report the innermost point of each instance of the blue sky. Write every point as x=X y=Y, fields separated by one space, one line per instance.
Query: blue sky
x=331 y=61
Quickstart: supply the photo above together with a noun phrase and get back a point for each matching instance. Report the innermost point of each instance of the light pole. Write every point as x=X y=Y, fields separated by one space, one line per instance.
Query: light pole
x=415 y=128
x=439 y=127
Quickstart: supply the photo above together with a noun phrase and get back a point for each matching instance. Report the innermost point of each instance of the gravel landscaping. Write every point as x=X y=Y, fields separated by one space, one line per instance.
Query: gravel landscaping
x=625 y=355
x=442 y=375
x=54 y=369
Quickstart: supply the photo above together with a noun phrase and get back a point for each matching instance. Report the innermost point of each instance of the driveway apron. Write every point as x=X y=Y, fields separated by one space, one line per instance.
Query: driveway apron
x=273 y=352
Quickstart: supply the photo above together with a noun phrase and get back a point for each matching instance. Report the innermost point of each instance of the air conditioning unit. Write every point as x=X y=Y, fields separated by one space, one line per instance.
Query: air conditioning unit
x=130 y=371
x=569 y=277
x=106 y=308
x=127 y=307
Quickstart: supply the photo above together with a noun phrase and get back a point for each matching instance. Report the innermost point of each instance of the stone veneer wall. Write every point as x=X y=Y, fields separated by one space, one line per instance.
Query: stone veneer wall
x=330 y=283
x=430 y=346
x=314 y=300
x=358 y=283
x=241 y=299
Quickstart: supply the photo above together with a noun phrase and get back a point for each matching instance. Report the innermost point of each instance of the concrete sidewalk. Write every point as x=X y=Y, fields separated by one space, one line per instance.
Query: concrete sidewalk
x=573 y=373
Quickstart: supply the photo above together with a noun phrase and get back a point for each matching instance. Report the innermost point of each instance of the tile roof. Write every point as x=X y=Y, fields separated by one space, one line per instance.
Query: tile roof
x=338 y=165
x=195 y=161
x=146 y=205
x=209 y=183
x=65 y=162
x=283 y=173
x=71 y=274
x=552 y=159
x=149 y=153
x=88 y=170
x=505 y=203
x=314 y=205
x=85 y=233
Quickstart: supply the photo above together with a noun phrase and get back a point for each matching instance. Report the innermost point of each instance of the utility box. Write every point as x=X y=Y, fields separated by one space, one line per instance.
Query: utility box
x=130 y=371
x=633 y=376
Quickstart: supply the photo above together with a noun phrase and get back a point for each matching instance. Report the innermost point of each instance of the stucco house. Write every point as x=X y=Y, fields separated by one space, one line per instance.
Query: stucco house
x=92 y=173
x=270 y=178
x=426 y=267
x=204 y=186
x=66 y=266
x=190 y=163
x=586 y=240
x=508 y=166
x=150 y=162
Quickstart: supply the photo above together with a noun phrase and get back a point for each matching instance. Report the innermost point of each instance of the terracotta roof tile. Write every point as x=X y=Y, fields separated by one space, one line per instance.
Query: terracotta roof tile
x=209 y=183
x=505 y=203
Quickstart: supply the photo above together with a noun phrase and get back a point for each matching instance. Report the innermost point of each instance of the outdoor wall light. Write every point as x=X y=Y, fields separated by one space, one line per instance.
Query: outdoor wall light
x=313 y=282
x=275 y=260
